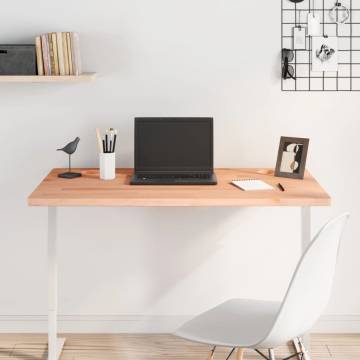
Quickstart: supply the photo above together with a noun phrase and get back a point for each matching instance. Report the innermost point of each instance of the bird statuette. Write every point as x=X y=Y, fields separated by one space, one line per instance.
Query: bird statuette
x=69 y=149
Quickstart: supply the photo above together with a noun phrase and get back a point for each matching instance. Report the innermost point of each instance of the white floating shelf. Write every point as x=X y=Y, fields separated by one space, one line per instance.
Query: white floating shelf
x=45 y=79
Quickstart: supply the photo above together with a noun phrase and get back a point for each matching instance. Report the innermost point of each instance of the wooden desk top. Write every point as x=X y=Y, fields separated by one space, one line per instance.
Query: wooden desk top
x=89 y=190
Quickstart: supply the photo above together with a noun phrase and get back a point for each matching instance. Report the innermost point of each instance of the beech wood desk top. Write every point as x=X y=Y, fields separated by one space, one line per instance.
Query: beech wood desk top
x=89 y=190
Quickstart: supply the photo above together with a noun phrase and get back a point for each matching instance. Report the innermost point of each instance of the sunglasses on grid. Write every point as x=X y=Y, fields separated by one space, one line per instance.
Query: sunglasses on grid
x=288 y=72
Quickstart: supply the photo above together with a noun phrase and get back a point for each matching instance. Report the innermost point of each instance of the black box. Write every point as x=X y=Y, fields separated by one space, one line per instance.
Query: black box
x=18 y=60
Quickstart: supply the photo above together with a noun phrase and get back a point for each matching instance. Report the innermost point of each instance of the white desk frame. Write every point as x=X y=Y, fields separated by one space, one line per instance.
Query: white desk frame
x=305 y=241
x=55 y=344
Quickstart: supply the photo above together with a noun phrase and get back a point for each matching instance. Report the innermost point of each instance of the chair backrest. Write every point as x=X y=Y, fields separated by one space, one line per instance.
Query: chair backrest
x=310 y=287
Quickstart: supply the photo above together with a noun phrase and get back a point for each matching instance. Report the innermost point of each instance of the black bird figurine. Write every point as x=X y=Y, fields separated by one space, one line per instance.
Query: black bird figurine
x=69 y=149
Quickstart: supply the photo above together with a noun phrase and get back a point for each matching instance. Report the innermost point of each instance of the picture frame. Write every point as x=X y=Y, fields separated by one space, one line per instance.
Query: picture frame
x=291 y=159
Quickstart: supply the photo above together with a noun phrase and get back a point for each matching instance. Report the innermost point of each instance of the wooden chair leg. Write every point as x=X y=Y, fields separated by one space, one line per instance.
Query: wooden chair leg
x=211 y=355
x=306 y=353
x=271 y=354
x=240 y=354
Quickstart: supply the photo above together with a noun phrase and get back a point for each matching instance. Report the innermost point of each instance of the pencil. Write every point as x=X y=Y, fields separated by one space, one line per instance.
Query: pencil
x=98 y=136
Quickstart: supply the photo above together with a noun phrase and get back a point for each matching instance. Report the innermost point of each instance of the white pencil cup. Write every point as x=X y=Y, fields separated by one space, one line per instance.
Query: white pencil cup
x=107 y=166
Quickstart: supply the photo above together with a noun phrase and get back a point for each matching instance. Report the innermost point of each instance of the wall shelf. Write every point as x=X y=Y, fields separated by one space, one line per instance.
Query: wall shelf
x=45 y=79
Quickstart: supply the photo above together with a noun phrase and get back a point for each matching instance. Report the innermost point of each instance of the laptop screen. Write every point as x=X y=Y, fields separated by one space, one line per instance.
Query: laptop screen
x=172 y=145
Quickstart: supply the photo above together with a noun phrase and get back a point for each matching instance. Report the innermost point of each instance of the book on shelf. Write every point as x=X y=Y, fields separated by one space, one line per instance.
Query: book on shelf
x=75 y=50
x=68 y=42
x=55 y=50
x=51 y=55
x=58 y=53
x=61 y=59
x=65 y=53
x=39 y=57
x=45 y=54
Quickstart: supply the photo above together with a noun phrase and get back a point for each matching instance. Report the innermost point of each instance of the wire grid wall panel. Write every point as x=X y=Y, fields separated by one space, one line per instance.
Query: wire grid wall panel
x=347 y=78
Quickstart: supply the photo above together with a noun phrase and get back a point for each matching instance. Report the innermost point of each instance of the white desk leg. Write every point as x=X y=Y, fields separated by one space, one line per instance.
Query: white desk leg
x=305 y=241
x=55 y=345
x=305 y=227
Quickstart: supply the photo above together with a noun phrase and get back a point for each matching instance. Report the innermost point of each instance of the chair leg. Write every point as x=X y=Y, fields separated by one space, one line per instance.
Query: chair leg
x=271 y=354
x=306 y=353
x=211 y=356
x=240 y=354
x=231 y=352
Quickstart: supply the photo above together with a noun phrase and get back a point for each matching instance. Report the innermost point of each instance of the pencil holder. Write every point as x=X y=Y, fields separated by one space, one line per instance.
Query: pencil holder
x=107 y=166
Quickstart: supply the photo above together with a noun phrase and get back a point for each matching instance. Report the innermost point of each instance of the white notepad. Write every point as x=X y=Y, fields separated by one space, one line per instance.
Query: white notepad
x=251 y=184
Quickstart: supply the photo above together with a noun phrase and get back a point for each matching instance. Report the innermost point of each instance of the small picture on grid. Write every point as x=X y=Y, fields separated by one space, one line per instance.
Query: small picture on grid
x=324 y=53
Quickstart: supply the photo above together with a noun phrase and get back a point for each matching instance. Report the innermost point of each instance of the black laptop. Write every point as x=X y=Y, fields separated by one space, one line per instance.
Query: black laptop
x=174 y=151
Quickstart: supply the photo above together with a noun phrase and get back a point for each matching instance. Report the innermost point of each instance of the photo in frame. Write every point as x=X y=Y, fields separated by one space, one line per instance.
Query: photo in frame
x=291 y=159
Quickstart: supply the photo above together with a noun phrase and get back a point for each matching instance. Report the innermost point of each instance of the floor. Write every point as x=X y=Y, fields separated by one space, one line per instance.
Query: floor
x=158 y=347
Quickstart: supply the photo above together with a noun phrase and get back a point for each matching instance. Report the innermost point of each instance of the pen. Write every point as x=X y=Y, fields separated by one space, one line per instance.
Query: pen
x=106 y=143
x=281 y=187
x=111 y=132
x=114 y=143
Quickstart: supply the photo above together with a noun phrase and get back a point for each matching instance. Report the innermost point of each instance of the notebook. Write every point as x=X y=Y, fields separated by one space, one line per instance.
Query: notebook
x=251 y=184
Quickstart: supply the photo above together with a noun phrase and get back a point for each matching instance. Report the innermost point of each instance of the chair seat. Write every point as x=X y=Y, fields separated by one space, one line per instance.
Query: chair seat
x=234 y=323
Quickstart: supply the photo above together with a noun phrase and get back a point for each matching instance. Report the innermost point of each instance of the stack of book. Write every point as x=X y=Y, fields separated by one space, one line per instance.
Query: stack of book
x=58 y=54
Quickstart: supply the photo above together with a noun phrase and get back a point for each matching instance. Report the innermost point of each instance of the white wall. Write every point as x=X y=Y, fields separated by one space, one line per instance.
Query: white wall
x=158 y=58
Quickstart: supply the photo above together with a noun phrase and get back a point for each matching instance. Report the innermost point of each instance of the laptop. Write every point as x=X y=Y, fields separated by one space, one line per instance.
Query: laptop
x=173 y=151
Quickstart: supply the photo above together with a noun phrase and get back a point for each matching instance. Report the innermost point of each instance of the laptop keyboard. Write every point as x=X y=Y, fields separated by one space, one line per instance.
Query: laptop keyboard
x=178 y=176
x=174 y=179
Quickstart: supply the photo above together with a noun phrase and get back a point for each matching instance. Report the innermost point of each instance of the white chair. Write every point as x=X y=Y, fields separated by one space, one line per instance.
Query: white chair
x=254 y=324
